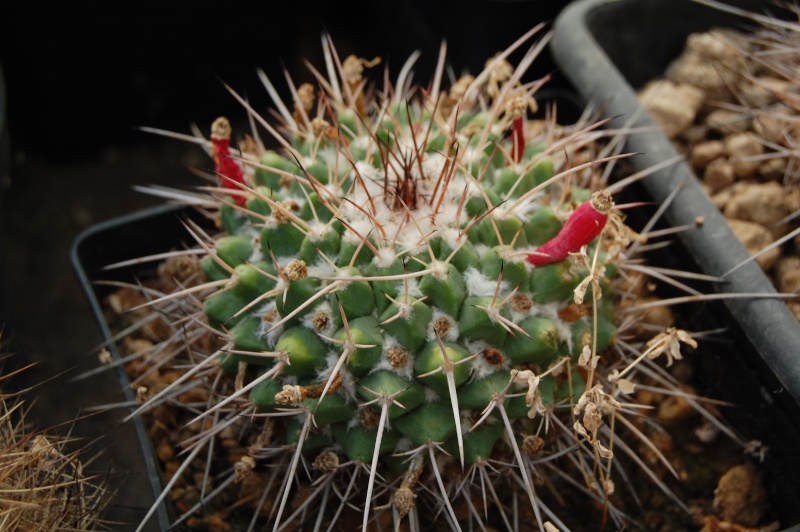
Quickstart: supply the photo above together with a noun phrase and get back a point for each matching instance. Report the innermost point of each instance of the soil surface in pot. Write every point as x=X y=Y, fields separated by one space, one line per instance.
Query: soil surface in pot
x=729 y=103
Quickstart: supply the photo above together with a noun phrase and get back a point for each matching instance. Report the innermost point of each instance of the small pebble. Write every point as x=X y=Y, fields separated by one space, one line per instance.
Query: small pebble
x=740 y=496
x=672 y=106
x=728 y=122
x=787 y=274
x=763 y=203
x=756 y=237
x=719 y=174
x=743 y=150
x=705 y=152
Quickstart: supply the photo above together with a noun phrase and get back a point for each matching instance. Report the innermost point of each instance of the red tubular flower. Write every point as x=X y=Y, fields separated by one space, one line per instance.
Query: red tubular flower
x=516 y=108
x=229 y=172
x=518 y=134
x=583 y=226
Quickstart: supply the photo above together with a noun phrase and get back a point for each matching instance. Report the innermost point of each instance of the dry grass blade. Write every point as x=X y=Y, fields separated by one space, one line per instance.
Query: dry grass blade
x=43 y=483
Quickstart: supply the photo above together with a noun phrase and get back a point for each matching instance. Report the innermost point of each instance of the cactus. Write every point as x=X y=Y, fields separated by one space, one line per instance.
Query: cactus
x=399 y=308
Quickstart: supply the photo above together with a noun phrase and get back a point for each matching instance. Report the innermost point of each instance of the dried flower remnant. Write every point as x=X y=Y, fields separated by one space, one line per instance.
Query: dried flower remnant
x=594 y=404
x=306 y=97
x=326 y=462
x=403 y=498
x=500 y=70
x=665 y=343
x=291 y=395
x=668 y=344
x=243 y=468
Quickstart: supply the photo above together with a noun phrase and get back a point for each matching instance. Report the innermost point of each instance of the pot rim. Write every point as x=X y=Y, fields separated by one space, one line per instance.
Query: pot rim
x=83 y=248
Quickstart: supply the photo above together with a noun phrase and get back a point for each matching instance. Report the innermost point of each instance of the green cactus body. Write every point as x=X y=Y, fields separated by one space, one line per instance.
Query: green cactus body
x=410 y=284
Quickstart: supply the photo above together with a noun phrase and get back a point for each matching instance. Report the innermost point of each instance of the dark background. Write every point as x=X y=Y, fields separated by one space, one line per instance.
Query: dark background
x=80 y=79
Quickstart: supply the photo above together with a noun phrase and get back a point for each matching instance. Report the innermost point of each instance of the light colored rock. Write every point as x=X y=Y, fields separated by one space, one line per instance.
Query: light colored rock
x=763 y=203
x=728 y=122
x=719 y=44
x=755 y=238
x=742 y=151
x=719 y=174
x=776 y=125
x=762 y=91
x=740 y=496
x=722 y=197
x=672 y=106
x=695 y=133
x=711 y=61
x=773 y=169
x=787 y=274
x=705 y=152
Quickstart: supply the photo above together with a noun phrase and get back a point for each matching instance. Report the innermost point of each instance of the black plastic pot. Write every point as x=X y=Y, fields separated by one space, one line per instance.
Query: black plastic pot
x=143 y=233
x=610 y=48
